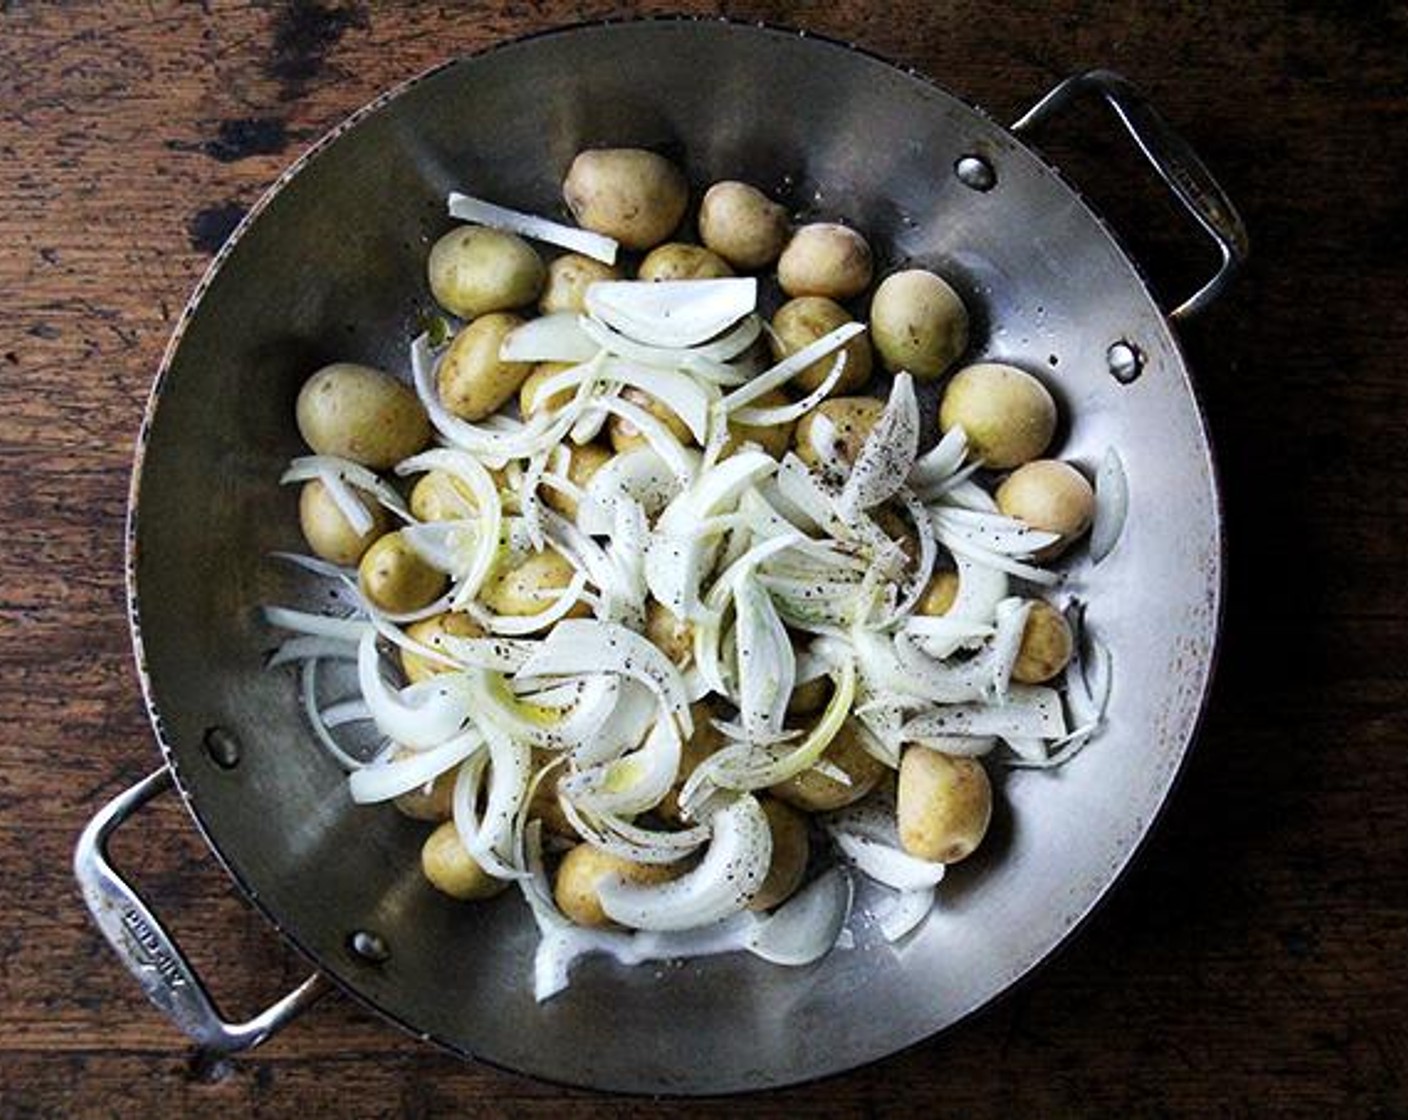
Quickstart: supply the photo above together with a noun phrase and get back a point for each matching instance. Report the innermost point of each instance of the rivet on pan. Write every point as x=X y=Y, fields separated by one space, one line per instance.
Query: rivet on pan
x=1125 y=361
x=222 y=747
x=975 y=172
x=369 y=946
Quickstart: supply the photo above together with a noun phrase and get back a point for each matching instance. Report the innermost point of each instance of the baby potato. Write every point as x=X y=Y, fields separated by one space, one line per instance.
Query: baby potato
x=453 y=870
x=475 y=270
x=440 y=496
x=673 y=635
x=328 y=533
x=943 y=805
x=790 y=851
x=569 y=277
x=473 y=380
x=1008 y=414
x=581 y=872
x=583 y=461
x=431 y=632
x=519 y=591
x=362 y=414
x=844 y=422
x=816 y=792
x=678 y=261
x=1047 y=645
x=1051 y=495
x=939 y=595
x=775 y=439
x=825 y=259
x=433 y=804
x=808 y=699
x=897 y=529
x=705 y=740
x=395 y=579
x=630 y=194
x=528 y=402
x=625 y=436
x=918 y=323
x=800 y=322
x=742 y=225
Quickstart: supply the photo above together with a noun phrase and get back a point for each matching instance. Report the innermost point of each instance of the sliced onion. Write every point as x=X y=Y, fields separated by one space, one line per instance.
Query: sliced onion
x=488 y=506
x=656 y=432
x=629 y=722
x=306 y=468
x=967 y=495
x=767 y=664
x=464 y=802
x=891 y=866
x=391 y=779
x=993 y=531
x=960 y=545
x=887 y=456
x=640 y=475
x=1029 y=710
x=308 y=689
x=516 y=626
x=634 y=782
x=962 y=746
x=940 y=636
x=315 y=565
x=345 y=711
x=447 y=546
x=784 y=371
x=439 y=714
x=695 y=360
x=501 y=655
x=307 y=646
x=1111 y=505
x=354 y=511
x=941 y=461
x=903 y=913
x=672 y=313
x=595 y=245
x=548 y=338
x=788 y=413
x=804 y=928
x=980 y=588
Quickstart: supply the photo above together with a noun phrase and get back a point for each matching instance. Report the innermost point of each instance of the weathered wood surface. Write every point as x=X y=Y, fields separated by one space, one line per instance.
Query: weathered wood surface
x=1254 y=962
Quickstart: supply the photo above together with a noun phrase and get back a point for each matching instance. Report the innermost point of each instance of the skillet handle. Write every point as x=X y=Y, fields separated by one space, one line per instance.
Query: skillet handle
x=151 y=954
x=1176 y=163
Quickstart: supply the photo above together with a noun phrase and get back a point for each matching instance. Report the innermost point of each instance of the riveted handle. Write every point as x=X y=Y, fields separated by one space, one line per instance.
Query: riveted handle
x=151 y=954
x=1176 y=163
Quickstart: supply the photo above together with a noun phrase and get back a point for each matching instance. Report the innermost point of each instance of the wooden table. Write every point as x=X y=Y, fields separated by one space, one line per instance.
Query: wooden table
x=1254 y=962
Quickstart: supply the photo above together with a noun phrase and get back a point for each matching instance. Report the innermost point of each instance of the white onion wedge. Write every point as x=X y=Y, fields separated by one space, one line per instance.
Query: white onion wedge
x=672 y=313
x=903 y=912
x=434 y=715
x=804 y=928
x=1030 y=710
x=885 y=864
x=887 y=456
x=307 y=468
x=549 y=338
x=469 y=209
x=1111 y=505
x=774 y=377
x=386 y=780
x=634 y=782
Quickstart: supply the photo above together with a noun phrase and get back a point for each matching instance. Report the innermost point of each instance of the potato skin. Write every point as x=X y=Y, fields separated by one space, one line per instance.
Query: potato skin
x=918 y=323
x=678 y=261
x=775 y=439
x=825 y=259
x=808 y=699
x=569 y=276
x=672 y=635
x=528 y=402
x=814 y=792
x=939 y=595
x=474 y=270
x=362 y=414
x=514 y=592
x=800 y=322
x=742 y=225
x=439 y=496
x=1051 y=495
x=1008 y=415
x=790 y=851
x=1047 y=645
x=431 y=632
x=433 y=806
x=581 y=872
x=473 y=381
x=632 y=195
x=943 y=804
x=583 y=461
x=852 y=419
x=395 y=579
x=329 y=534
x=452 y=870
x=626 y=437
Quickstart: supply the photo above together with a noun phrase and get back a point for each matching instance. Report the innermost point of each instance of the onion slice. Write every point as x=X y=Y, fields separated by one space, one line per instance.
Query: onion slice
x=805 y=927
x=891 y=866
x=887 y=456
x=672 y=313
x=548 y=338
x=391 y=779
x=774 y=377
x=1111 y=505
x=595 y=245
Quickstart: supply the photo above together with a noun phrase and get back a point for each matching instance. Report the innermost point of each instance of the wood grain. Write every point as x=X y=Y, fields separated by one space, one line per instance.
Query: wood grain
x=1256 y=960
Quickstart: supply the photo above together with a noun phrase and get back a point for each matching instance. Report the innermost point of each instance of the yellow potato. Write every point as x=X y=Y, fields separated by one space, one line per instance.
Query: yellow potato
x=1008 y=414
x=1050 y=495
x=808 y=699
x=431 y=632
x=825 y=259
x=844 y=422
x=520 y=591
x=816 y=792
x=569 y=277
x=362 y=414
x=790 y=851
x=453 y=870
x=1047 y=645
x=328 y=533
x=673 y=635
x=800 y=322
x=678 y=261
x=742 y=225
x=395 y=579
x=473 y=381
x=918 y=323
x=583 y=461
x=581 y=872
x=433 y=804
x=528 y=402
x=440 y=496
x=625 y=436
x=943 y=805
x=630 y=194
x=474 y=270
x=939 y=595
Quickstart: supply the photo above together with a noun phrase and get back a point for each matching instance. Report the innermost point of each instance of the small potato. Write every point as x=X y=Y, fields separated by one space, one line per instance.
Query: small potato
x=808 y=699
x=432 y=632
x=583 y=461
x=361 y=414
x=580 y=875
x=943 y=805
x=800 y=322
x=918 y=323
x=475 y=270
x=939 y=595
x=520 y=591
x=453 y=870
x=705 y=740
x=544 y=805
x=678 y=261
x=528 y=402
x=433 y=804
x=625 y=436
x=1047 y=645
x=1051 y=495
x=630 y=194
x=440 y=496
x=897 y=529
x=569 y=277
x=673 y=635
x=843 y=423
x=825 y=259
x=815 y=792
x=790 y=851
x=473 y=380
x=742 y=225
x=1007 y=413
x=328 y=533
x=395 y=579
x=775 y=439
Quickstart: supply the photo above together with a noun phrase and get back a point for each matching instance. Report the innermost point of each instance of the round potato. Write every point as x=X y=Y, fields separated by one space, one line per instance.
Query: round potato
x=440 y=496
x=1047 y=645
x=583 y=461
x=678 y=261
x=625 y=436
x=433 y=804
x=581 y=872
x=775 y=439
x=939 y=595
x=395 y=579
x=453 y=870
x=1008 y=414
x=918 y=323
x=742 y=225
x=528 y=402
x=569 y=277
x=475 y=270
x=630 y=194
x=473 y=380
x=432 y=632
x=839 y=427
x=809 y=698
x=800 y=322
x=816 y=792
x=790 y=852
x=328 y=533
x=825 y=259
x=1051 y=495
x=362 y=414
x=673 y=635
x=943 y=805
x=521 y=591
x=705 y=740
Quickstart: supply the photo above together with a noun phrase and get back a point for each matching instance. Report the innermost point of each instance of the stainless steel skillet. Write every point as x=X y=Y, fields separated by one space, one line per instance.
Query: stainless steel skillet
x=331 y=264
